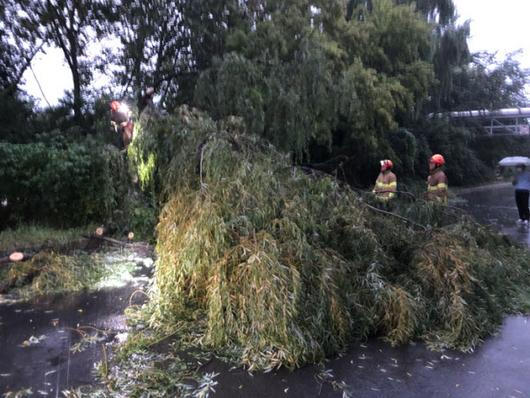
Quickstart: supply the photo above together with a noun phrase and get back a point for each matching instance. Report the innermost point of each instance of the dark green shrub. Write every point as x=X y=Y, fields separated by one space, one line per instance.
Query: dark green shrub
x=61 y=183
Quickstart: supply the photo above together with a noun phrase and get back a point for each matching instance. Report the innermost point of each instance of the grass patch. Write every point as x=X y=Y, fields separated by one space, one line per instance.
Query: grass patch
x=29 y=236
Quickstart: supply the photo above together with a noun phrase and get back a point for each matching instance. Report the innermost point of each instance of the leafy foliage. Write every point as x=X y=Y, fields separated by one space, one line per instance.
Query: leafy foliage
x=69 y=25
x=489 y=83
x=321 y=79
x=279 y=268
x=18 y=46
x=52 y=273
x=334 y=75
x=15 y=118
x=61 y=183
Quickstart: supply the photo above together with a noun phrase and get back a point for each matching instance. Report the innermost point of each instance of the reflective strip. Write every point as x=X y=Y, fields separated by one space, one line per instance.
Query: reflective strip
x=439 y=192
x=385 y=196
x=383 y=185
x=438 y=187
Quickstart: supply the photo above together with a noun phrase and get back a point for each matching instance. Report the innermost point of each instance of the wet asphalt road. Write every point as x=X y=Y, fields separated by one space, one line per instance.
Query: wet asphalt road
x=39 y=340
x=495 y=206
x=49 y=366
x=498 y=368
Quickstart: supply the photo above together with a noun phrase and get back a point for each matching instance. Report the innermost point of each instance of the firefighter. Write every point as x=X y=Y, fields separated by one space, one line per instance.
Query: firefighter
x=386 y=184
x=437 y=188
x=120 y=117
x=147 y=99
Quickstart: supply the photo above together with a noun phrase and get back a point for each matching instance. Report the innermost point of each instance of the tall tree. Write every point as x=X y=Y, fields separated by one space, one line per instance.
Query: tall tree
x=450 y=55
x=68 y=25
x=153 y=43
x=487 y=83
x=17 y=50
x=440 y=11
x=304 y=74
x=18 y=46
x=166 y=43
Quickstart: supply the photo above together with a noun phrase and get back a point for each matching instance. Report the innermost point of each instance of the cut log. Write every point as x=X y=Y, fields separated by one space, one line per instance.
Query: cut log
x=15 y=258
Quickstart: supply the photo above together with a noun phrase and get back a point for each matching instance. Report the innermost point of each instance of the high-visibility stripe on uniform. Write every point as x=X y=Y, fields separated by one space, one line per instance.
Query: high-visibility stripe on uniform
x=438 y=187
x=384 y=192
x=386 y=198
x=383 y=185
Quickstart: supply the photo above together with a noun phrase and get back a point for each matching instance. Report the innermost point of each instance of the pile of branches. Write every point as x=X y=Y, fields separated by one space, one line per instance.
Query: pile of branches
x=49 y=272
x=280 y=268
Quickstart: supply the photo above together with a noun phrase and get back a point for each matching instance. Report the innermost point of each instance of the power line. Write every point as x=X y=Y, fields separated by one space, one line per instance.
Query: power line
x=40 y=87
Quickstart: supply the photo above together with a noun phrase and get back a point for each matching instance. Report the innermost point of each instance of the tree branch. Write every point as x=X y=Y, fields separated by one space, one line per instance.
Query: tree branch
x=25 y=66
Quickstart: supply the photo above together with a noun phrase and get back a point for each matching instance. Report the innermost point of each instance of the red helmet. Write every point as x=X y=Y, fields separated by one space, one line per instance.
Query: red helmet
x=386 y=164
x=438 y=160
x=115 y=105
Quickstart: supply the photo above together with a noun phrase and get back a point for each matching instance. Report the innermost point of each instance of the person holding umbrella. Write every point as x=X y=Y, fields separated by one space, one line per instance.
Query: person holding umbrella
x=521 y=182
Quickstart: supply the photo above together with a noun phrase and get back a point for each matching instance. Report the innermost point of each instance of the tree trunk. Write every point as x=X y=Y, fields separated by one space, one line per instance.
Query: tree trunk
x=78 y=99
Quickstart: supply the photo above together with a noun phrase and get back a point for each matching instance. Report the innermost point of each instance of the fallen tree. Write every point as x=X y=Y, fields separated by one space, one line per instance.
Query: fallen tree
x=279 y=268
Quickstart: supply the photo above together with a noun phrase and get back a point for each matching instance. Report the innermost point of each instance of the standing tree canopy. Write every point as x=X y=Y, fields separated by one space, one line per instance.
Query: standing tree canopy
x=68 y=25
x=304 y=74
x=321 y=79
x=18 y=46
x=154 y=43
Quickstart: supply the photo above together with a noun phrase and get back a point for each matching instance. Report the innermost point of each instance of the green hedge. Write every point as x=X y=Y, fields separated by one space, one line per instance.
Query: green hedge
x=61 y=183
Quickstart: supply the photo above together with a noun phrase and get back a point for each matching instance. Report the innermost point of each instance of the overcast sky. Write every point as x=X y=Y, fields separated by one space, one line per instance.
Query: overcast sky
x=496 y=26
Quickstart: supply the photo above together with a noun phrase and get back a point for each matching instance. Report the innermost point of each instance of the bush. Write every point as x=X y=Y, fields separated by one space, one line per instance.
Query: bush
x=15 y=118
x=61 y=183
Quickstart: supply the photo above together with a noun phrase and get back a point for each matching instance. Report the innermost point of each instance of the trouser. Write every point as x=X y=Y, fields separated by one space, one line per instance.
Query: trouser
x=521 y=198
